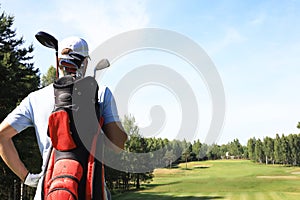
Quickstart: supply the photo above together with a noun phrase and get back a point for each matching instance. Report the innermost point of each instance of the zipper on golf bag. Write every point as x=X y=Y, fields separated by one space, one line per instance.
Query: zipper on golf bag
x=64 y=183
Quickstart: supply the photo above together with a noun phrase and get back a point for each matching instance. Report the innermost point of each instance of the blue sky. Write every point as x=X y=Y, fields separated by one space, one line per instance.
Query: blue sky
x=255 y=46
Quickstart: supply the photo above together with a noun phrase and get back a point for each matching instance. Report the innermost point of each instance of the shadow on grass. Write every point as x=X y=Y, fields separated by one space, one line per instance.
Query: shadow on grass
x=139 y=194
x=201 y=167
x=187 y=169
x=143 y=187
x=149 y=186
x=154 y=196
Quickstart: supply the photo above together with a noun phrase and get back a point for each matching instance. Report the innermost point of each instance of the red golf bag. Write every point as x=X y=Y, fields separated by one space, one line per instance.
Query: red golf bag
x=75 y=131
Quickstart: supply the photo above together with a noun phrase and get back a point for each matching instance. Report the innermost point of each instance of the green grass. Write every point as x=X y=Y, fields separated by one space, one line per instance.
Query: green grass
x=225 y=179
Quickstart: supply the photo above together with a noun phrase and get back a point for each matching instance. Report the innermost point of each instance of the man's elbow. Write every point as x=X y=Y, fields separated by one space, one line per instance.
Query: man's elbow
x=6 y=133
x=116 y=135
x=122 y=140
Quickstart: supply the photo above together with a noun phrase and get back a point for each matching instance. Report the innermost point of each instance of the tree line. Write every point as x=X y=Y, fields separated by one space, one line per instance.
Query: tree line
x=279 y=150
x=167 y=152
x=283 y=150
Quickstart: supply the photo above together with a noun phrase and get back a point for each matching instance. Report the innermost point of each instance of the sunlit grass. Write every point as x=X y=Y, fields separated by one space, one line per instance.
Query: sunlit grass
x=224 y=179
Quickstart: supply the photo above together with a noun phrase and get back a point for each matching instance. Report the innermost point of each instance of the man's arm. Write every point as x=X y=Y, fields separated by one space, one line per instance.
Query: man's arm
x=115 y=133
x=9 y=153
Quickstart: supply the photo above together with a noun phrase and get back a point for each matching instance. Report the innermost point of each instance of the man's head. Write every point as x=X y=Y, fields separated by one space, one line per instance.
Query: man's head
x=73 y=54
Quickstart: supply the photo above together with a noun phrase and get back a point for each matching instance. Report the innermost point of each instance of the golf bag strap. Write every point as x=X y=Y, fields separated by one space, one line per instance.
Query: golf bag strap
x=91 y=166
x=49 y=172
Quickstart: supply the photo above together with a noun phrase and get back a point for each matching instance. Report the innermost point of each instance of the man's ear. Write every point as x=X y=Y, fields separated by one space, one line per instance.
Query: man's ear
x=85 y=62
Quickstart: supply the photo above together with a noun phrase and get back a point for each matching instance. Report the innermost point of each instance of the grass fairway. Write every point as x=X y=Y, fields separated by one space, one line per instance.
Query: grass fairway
x=224 y=179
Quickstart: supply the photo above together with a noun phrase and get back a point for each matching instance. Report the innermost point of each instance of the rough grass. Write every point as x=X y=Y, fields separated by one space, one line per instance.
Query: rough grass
x=225 y=179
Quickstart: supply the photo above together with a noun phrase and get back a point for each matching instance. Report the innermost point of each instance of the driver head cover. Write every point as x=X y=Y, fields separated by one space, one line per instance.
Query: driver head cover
x=76 y=44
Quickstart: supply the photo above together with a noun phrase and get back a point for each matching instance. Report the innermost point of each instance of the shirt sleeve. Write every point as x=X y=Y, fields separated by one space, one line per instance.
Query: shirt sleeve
x=108 y=107
x=20 y=117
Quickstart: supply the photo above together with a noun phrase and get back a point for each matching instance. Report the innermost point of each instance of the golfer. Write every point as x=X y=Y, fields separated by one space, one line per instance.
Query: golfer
x=35 y=110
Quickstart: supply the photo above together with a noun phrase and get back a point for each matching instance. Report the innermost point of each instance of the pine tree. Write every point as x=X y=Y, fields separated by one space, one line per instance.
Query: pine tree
x=251 y=148
x=259 y=153
x=17 y=75
x=196 y=148
x=277 y=149
x=268 y=146
x=137 y=144
x=17 y=79
x=169 y=157
x=49 y=77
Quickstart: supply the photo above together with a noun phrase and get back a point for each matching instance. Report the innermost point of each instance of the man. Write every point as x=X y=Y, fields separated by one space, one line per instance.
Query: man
x=36 y=108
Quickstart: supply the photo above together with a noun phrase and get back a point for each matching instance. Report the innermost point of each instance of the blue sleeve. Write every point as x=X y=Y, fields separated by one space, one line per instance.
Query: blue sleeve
x=21 y=118
x=108 y=106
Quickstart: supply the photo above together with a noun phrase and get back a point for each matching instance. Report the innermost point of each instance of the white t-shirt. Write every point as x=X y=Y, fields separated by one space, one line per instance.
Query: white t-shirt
x=36 y=108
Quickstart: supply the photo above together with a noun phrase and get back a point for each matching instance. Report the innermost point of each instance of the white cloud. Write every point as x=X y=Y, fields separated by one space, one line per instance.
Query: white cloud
x=231 y=36
x=258 y=20
x=100 y=20
x=93 y=20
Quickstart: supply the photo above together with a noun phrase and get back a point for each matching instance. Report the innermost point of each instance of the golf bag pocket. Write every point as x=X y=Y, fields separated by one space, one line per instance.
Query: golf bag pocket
x=67 y=174
x=59 y=131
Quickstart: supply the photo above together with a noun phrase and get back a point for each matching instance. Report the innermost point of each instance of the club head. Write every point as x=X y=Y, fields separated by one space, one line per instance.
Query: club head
x=77 y=56
x=74 y=59
x=47 y=40
x=104 y=63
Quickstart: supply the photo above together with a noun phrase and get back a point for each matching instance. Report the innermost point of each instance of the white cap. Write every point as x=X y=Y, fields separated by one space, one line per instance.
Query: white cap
x=78 y=45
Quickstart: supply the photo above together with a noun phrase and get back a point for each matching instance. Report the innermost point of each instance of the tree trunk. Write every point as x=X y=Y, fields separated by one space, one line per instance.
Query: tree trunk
x=138 y=181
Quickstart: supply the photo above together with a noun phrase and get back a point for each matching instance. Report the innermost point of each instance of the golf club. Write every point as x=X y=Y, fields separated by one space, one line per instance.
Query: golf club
x=78 y=59
x=49 y=41
x=104 y=63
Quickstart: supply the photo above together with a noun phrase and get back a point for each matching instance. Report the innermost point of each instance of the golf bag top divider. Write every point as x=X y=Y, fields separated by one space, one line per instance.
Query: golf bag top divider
x=74 y=127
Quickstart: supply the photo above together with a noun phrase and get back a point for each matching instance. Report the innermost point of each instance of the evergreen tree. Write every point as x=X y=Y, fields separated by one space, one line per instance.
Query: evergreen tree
x=277 y=150
x=285 y=149
x=204 y=151
x=269 y=149
x=169 y=157
x=214 y=152
x=176 y=148
x=246 y=154
x=251 y=148
x=259 y=153
x=137 y=144
x=186 y=156
x=49 y=77
x=130 y=126
x=223 y=151
x=196 y=149
x=236 y=148
x=293 y=141
x=298 y=125
x=17 y=79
